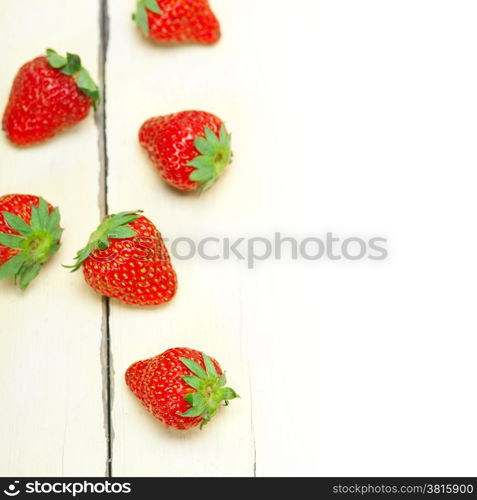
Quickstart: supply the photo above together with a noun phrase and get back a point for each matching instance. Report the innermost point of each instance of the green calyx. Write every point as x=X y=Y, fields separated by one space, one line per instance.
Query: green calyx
x=140 y=16
x=215 y=155
x=71 y=65
x=210 y=390
x=36 y=243
x=113 y=227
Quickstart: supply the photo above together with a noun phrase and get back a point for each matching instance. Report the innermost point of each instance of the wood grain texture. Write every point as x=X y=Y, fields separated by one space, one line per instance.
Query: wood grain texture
x=333 y=109
x=206 y=313
x=356 y=118
x=50 y=368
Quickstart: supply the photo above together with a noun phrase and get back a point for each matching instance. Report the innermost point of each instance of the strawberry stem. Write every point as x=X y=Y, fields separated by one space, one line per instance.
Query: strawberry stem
x=216 y=155
x=112 y=227
x=210 y=390
x=141 y=16
x=37 y=242
x=71 y=65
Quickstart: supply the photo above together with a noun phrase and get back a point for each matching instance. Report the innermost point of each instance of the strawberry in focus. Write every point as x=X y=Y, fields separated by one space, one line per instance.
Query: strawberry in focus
x=49 y=95
x=181 y=387
x=177 y=21
x=190 y=149
x=126 y=259
x=30 y=235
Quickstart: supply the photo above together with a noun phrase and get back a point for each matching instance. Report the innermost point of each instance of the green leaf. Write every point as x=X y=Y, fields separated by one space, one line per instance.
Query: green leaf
x=81 y=256
x=209 y=366
x=215 y=156
x=54 y=59
x=35 y=222
x=121 y=232
x=226 y=394
x=153 y=6
x=53 y=220
x=224 y=136
x=134 y=213
x=17 y=223
x=43 y=213
x=195 y=399
x=122 y=221
x=39 y=216
x=41 y=242
x=12 y=266
x=109 y=228
x=202 y=162
x=211 y=137
x=73 y=64
x=103 y=243
x=87 y=85
x=203 y=146
x=54 y=249
x=127 y=212
x=56 y=234
x=207 y=185
x=194 y=367
x=205 y=421
x=210 y=393
x=195 y=411
x=85 y=81
x=202 y=174
x=141 y=18
x=194 y=382
x=28 y=275
x=11 y=241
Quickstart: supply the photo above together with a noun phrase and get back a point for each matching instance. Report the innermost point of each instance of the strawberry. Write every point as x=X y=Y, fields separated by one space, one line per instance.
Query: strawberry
x=30 y=234
x=126 y=259
x=181 y=387
x=49 y=95
x=177 y=21
x=191 y=149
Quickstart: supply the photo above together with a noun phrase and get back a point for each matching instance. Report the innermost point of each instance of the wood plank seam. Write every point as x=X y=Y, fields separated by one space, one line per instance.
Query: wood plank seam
x=134 y=432
x=106 y=356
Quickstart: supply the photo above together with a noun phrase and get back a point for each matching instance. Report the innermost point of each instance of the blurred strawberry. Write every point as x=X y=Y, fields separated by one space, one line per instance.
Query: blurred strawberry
x=177 y=21
x=181 y=387
x=126 y=259
x=30 y=235
x=49 y=94
x=190 y=149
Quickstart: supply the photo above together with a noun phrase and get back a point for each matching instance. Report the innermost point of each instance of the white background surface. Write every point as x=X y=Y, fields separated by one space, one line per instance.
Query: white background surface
x=356 y=117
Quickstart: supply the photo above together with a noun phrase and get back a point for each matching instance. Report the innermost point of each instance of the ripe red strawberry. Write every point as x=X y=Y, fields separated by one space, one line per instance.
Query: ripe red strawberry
x=126 y=259
x=181 y=387
x=30 y=234
x=49 y=95
x=190 y=149
x=177 y=21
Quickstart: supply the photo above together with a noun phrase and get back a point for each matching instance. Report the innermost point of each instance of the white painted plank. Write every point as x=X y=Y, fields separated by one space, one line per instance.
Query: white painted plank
x=206 y=312
x=351 y=117
x=372 y=105
x=50 y=367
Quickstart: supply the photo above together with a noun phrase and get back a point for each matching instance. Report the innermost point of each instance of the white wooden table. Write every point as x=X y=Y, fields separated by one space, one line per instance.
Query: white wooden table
x=356 y=117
